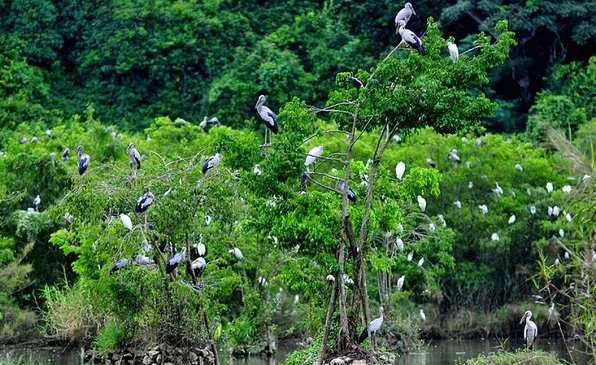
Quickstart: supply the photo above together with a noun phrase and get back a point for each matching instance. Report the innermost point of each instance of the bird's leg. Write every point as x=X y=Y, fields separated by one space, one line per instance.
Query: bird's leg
x=145 y=219
x=265 y=141
x=270 y=136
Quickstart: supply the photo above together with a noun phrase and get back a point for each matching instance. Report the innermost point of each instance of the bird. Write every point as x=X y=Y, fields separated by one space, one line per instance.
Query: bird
x=530 y=330
x=198 y=266
x=422 y=315
x=268 y=117
x=409 y=37
x=410 y=256
x=144 y=260
x=568 y=217
x=65 y=154
x=211 y=162
x=556 y=211
x=566 y=255
x=453 y=156
x=175 y=261
x=549 y=187
x=373 y=327
x=207 y=219
x=400 y=282
x=470 y=185
x=562 y=234
x=257 y=170
x=144 y=203
x=262 y=281
x=511 y=219
x=557 y=262
x=399 y=243
x=126 y=221
x=497 y=190
x=421 y=262
x=201 y=249
x=68 y=217
x=453 y=51
x=396 y=138
x=236 y=253
x=432 y=227
x=341 y=186
x=135 y=159
x=566 y=189
x=120 y=264
x=494 y=237
x=145 y=246
x=457 y=204
x=404 y=15
x=23 y=140
x=442 y=220
x=400 y=168
x=36 y=203
x=519 y=167
x=84 y=160
x=550 y=210
x=312 y=156
x=421 y=202
x=431 y=162
x=484 y=208
x=205 y=122
x=330 y=278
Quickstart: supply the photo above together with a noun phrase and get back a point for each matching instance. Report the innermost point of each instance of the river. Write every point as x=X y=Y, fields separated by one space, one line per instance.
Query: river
x=436 y=353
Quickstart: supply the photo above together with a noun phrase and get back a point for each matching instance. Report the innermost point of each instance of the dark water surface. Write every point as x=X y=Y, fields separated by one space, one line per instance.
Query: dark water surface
x=436 y=353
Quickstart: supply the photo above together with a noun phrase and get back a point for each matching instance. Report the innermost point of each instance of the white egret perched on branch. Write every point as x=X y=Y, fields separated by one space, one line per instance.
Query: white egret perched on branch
x=494 y=237
x=483 y=208
x=135 y=159
x=404 y=15
x=268 y=117
x=422 y=315
x=144 y=203
x=211 y=162
x=530 y=330
x=36 y=203
x=175 y=261
x=421 y=202
x=409 y=37
x=453 y=51
x=453 y=156
x=511 y=219
x=84 y=160
x=421 y=262
x=400 y=282
x=312 y=156
x=372 y=327
x=400 y=168
x=126 y=221
x=549 y=187
x=236 y=253
x=519 y=167
x=497 y=190
x=457 y=204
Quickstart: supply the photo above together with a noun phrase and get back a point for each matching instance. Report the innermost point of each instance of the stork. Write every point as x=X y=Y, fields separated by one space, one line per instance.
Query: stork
x=211 y=162
x=135 y=159
x=373 y=327
x=65 y=154
x=341 y=186
x=84 y=160
x=144 y=261
x=36 y=203
x=312 y=156
x=175 y=261
x=268 y=117
x=144 y=203
x=431 y=162
x=404 y=15
x=410 y=37
x=530 y=330
x=236 y=253
x=120 y=264
x=198 y=266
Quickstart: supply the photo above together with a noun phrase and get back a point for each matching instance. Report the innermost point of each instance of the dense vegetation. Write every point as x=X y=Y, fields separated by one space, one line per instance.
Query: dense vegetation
x=103 y=75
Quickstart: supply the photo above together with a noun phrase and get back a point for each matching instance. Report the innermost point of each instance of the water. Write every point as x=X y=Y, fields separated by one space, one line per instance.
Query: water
x=436 y=353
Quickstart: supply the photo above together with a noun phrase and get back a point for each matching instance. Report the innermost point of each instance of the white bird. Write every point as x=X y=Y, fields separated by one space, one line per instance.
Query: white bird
x=497 y=190
x=562 y=234
x=550 y=210
x=556 y=211
x=409 y=37
x=36 y=203
x=372 y=327
x=557 y=262
x=68 y=217
x=207 y=219
x=453 y=51
x=146 y=247
x=400 y=168
x=144 y=260
x=257 y=170
x=483 y=208
x=457 y=204
x=262 y=281
x=566 y=255
x=399 y=243
x=530 y=330
x=432 y=227
x=236 y=253
x=201 y=248
x=126 y=221
x=468 y=164
x=422 y=315
x=369 y=163
x=269 y=119
x=442 y=220
x=396 y=138
x=494 y=237
x=330 y=278
x=421 y=202
x=312 y=156
x=211 y=162
x=568 y=217
x=566 y=189
x=519 y=167
x=204 y=122
x=431 y=162
x=274 y=239
x=470 y=185
x=453 y=156
x=404 y=15
x=421 y=262
x=410 y=256
x=463 y=139
x=511 y=219
x=348 y=280
x=549 y=187
x=593 y=256
x=400 y=282
x=400 y=228
x=198 y=266
x=585 y=178
x=175 y=261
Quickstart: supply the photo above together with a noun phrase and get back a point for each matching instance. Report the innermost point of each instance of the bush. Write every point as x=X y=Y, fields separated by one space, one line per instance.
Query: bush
x=518 y=357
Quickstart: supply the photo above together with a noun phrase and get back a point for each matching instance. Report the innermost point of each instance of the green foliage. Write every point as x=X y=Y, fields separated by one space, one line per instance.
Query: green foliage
x=510 y=358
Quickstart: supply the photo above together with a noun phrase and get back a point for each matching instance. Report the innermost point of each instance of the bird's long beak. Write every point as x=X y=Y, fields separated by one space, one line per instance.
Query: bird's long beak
x=414 y=12
x=523 y=318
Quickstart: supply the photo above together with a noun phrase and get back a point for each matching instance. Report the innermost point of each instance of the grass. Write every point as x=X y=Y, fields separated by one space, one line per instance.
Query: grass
x=514 y=358
x=12 y=359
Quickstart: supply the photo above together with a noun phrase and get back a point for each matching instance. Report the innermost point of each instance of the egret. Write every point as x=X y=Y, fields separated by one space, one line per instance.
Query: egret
x=68 y=217
x=421 y=262
x=144 y=203
x=211 y=162
x=175 y=261
x=23 y=140
x=399 y=243
x=409 y=37
x=341 y=186
x=257 y=170
x=464 y=138
x=84 y=160
x=530 y=330
x=236 y=253
x=483 y=208
x=585 y=178
x=126 y=221
x=404 y=15
x=198 y=266
x=207 y=219
x=65 y=154
x=372 y=327
x=431 y=162
x=205 y=122
x=457 y=204
x=562 y=234
x=470 y=185
x=400 y=228
x=421 y=202
x=410 y=256
x=566 y=189
x=400 y=168
x=432 y=227
x=566 y=255
x=497 y=190
x=135 y=159
x=36 y=203
x=347 y=279
x=400 y=282
x=557 y=262
x=312 y=156
x=550 y=211
x=549 y=187
x=519 y=167
x=494 y=237
x=120 y=264
x=422 y=315
x=262 y=281
x=144 y=260
x=396 y=138
x=201 y=248
x=453 y=52
x=369 y=163
x=268 y=117
x=330 y=278
x=556 y=211
x=511 y=219
x=568 y=217
x=453 y=156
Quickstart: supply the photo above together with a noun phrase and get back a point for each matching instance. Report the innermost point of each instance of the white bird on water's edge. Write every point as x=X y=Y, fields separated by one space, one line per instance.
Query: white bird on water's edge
x=400 y=168
x=126 y=221
x=530 y=330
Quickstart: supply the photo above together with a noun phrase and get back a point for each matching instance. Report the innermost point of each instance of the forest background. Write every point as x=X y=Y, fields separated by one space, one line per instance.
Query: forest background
x=102 y=74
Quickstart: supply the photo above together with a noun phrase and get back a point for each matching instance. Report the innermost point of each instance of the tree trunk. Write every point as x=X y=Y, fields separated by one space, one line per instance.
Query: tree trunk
x=328 y=320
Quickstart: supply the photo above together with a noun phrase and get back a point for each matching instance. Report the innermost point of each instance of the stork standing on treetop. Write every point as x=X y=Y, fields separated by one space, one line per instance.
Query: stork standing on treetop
x=269 y=119
x=135 y=159
x=404 y=14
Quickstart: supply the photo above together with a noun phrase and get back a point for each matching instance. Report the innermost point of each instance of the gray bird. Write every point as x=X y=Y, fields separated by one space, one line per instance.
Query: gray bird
x=404 y=14
x=372 y=327
x=211 y=162
x=65 y=154
x=175 y=261
x=134 y=157
x=84 y=160
x=268 y=117
x=530 y=330
x=120 y=264
x=144 y=260
x=410 y=37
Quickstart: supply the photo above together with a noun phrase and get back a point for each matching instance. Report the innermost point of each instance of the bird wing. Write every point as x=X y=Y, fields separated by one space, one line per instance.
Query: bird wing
x=375 y=324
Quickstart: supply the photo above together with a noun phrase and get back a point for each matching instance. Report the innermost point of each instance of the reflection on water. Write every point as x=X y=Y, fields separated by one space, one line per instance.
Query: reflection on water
x=436 y=353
